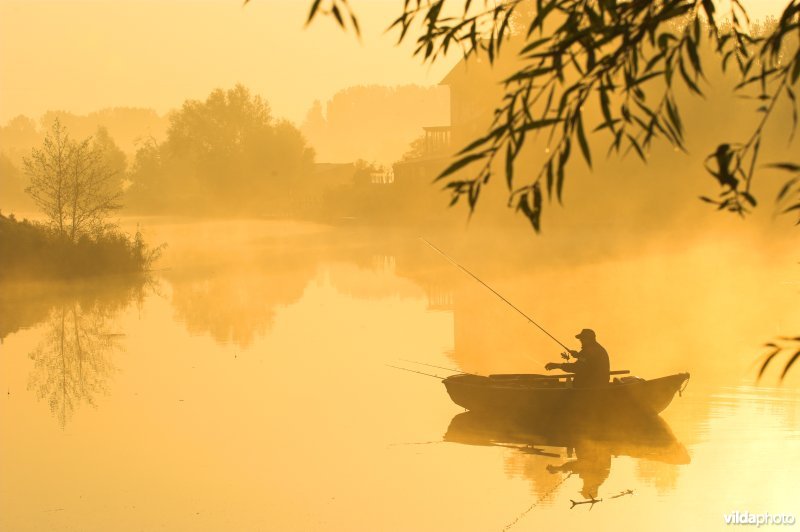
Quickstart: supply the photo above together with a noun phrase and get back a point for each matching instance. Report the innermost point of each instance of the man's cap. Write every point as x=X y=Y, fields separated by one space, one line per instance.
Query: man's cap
x=585 y=334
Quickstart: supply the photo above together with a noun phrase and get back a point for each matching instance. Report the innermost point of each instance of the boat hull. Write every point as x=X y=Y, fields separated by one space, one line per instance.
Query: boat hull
x=533 y=397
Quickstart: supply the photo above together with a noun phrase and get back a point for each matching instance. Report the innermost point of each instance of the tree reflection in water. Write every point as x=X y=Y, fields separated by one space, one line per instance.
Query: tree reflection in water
x=72 y=363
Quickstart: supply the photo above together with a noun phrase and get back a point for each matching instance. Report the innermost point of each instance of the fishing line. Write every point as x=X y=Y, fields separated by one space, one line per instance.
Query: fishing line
x=495 y=292
x=540 y=499
x=419 y=372
x=439 y=367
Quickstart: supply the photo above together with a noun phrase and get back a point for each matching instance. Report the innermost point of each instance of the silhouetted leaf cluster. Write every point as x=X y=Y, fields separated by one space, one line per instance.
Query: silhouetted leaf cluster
x=628 y=57
x=784 y=344
x=338 y=9
x=769 y=69
x=789 y=195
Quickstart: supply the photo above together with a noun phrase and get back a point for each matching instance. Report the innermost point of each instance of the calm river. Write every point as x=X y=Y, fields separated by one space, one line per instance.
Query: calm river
x=247 y=387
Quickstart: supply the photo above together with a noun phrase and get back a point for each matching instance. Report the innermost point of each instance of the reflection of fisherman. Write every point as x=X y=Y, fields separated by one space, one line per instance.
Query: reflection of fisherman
x=592 y=366
x=592 y=464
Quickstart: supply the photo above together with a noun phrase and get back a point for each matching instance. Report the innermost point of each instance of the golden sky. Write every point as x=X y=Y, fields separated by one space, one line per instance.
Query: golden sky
x=84 y=55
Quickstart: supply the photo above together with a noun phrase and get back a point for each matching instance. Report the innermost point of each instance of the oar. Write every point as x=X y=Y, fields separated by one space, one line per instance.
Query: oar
x=500 y=376
x=536 y=376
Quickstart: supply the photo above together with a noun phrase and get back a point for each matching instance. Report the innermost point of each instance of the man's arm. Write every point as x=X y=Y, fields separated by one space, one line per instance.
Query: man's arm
x=577 y=354
x=569 y=367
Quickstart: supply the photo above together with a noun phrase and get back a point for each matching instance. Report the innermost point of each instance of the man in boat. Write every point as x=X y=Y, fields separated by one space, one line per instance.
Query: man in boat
x=591 y=367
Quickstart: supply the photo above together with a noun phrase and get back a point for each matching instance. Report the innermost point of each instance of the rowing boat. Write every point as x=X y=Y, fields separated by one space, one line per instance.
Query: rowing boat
x=538 y=396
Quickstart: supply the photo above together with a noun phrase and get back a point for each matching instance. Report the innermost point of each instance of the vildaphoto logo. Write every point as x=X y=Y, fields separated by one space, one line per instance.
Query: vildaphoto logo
x=747 y=518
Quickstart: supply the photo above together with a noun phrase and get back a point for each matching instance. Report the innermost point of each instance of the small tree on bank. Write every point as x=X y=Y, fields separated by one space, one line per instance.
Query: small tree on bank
x=72 y=183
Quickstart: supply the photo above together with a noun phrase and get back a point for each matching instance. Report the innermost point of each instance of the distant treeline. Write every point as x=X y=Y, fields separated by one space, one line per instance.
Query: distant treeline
x=130 y=127
x=221 y=156
x=33 y=250
x=227 y=155
x=374 y=123
x=120 y=131
x=224 y=155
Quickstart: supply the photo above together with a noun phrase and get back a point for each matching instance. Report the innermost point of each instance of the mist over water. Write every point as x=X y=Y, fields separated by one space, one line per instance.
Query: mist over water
x=225 y=346
x=247 y=386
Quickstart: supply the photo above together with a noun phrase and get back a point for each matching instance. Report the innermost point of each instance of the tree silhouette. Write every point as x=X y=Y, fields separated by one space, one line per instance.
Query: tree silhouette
x=224 y=154
x=73 y=183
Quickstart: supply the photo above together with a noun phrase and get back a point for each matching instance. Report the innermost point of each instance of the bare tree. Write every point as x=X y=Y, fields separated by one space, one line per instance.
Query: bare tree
x=48 y=169
x=72 y=183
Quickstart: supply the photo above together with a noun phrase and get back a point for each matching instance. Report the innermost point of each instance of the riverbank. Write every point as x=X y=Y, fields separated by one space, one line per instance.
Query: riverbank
x=31 y=250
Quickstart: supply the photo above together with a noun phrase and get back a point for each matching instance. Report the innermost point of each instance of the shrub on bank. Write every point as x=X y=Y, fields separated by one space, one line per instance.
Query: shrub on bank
x=30 y=249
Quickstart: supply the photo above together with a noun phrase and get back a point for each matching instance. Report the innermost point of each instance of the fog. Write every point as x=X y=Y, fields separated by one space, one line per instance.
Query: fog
x=156 y=54
x=215 y=237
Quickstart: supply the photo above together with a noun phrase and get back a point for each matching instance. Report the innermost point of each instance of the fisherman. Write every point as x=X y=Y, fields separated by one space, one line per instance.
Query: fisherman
x=591 y=367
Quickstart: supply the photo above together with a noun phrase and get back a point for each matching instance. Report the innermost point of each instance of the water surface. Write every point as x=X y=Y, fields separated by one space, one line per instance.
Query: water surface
x=247 y=388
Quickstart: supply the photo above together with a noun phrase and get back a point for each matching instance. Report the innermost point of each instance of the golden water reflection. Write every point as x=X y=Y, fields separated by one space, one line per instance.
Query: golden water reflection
x=72 y=362
x=583 y=448
x=250 y=390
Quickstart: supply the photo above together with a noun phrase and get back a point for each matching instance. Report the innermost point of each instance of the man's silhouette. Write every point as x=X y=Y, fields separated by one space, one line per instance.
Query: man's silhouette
x=591 y=367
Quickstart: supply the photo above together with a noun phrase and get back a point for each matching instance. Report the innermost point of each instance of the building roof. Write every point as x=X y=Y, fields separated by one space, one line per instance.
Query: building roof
x=477 y=68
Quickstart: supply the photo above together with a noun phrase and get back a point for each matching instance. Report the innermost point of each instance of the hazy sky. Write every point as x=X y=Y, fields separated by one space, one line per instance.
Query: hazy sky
x=84 y=55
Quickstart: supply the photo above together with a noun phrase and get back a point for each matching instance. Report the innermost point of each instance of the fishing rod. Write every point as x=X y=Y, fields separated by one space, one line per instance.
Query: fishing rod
x=415 y=371
x=495 y=292
x=438 y=367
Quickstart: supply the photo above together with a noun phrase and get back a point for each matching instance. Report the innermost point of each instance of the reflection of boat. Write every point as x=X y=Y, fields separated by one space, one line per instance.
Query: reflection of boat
x=636 y=436
x=538 y=396
x=589 y=443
